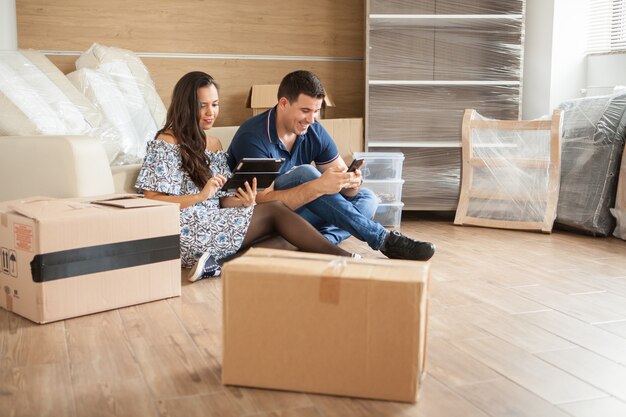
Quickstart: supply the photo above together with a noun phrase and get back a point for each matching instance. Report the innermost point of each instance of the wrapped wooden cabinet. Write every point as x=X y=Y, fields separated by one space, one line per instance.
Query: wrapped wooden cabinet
x=426 y=62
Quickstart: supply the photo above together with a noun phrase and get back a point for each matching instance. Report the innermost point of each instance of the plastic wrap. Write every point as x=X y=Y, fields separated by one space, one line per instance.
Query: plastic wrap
x=434 y=113
x=445 y=49
x=37 y=99
x=429 y=61
x=104 y=92
x=593 y=142
x=144 y=107
x=510 y=173
x=447 y=6
x=620 y=202
x=431 y=177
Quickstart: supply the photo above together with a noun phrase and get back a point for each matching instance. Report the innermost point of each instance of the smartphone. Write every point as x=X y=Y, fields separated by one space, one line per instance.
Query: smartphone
x=356 y=164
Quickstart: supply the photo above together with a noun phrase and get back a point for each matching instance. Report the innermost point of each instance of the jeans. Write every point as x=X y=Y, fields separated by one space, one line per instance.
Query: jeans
x=335 y=216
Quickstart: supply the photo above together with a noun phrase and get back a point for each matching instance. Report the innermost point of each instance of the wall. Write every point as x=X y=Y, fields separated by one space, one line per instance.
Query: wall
x=537 y=58
x=604 y=72
x=239 y=43
x=569 y=70
x=554 y=54
x=8 y=28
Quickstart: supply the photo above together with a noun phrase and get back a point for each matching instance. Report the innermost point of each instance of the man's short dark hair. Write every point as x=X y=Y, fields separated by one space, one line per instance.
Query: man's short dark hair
x=300 y=82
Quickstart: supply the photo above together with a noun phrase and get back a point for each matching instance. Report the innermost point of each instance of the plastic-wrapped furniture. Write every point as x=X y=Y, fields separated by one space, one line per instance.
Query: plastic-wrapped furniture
x=620 y=203
x=510 y=172
x=592 y=146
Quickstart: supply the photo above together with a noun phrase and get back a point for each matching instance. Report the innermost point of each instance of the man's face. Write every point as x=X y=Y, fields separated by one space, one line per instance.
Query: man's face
x=300 y=114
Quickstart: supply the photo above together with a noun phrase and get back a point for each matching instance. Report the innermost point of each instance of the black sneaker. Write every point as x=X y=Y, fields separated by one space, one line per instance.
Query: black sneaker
x=206 y=267
x=398 y=246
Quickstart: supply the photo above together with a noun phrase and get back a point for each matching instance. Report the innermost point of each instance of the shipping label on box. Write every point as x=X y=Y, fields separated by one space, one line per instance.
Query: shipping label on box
x=324 y=324
x=65 y=258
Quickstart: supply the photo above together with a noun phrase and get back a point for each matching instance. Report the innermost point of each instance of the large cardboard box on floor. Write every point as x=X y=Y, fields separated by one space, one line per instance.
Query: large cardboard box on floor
x=70 y=257
x=347 y=134
x=325 y=324
x=263 y=97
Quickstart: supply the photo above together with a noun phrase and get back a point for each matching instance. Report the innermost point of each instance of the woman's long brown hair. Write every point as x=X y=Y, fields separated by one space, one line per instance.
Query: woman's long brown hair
x=183 y=121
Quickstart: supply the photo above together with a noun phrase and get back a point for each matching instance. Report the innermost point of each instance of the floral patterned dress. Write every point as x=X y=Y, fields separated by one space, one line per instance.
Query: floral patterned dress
x=204 y=226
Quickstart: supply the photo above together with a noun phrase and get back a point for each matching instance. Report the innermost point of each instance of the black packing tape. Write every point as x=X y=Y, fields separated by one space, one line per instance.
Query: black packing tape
x=92 y=259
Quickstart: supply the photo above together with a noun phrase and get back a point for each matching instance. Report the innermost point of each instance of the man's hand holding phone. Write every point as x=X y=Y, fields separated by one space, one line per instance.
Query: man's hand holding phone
x=355 y=168
x=356 y=164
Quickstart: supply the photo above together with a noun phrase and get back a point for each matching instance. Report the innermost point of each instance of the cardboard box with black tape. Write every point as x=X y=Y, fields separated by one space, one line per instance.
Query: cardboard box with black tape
x=64 y=258
x=324 y=324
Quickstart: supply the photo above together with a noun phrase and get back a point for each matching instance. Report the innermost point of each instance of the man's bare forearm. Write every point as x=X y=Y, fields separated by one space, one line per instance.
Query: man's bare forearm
x=295 y=197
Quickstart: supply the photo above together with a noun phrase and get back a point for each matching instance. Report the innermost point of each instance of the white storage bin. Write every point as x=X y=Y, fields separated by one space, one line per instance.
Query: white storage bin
x=389 y=214
x=387 y=191
x=381 y=165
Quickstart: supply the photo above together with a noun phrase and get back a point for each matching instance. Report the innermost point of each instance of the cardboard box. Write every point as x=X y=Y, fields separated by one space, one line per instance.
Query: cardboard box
x=69 y=257
x=325 y=324
x=347 y=134
x=262 y=97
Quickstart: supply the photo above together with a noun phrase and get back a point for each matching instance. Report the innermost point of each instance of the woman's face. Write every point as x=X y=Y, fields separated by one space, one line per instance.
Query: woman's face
x=209 y=106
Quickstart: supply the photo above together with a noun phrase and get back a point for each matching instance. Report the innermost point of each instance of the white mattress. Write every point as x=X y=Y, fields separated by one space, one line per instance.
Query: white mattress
x=119 y=84
x=37 y=99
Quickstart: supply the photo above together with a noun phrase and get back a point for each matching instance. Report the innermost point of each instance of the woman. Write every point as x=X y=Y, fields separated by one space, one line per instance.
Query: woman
x=185 y=166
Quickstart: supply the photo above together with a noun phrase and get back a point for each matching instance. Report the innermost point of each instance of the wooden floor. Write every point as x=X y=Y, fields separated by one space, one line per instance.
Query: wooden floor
x=522 y=324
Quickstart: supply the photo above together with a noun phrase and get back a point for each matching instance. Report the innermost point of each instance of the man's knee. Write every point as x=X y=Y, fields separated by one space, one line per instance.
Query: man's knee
x=367 y=203
x=296 y=176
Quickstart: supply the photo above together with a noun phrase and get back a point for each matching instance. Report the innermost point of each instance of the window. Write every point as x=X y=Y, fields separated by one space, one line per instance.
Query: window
x=607 y=26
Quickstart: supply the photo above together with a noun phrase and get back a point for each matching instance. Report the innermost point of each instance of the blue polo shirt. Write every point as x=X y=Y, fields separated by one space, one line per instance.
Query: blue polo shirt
x=257 y=138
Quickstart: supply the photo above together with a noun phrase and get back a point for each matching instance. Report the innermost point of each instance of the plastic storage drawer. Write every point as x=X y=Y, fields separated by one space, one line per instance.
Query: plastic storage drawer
x=381 y=165
x=387 y=191
x=389 y=214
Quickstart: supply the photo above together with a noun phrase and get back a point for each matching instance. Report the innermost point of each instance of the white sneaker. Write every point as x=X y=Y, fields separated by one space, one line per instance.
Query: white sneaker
x=206 y=267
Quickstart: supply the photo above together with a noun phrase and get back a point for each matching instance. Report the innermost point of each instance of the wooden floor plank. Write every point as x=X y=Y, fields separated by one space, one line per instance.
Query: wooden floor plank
x=213 y=404
x=454 y=367
x=503 y=298
x=528 y=371
x=604 y=407
x=617 y=328
x=598 y=371
x=505 y=398
x=174 y=367
x=123 y=397
x=609 y=301
x=112 y=361
x=37 y=390
x=513 y=328
x=570 y=305
x=438 y=400
x=593 y=338
x=26 y=343
x=448 y=324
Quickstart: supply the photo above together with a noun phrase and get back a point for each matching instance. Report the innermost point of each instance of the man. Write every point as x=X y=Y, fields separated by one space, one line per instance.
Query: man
x=326 y=195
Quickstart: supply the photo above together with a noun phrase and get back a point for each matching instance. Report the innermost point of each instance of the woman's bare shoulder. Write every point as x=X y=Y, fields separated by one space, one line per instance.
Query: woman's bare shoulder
x=167 y=137
x=213 y=144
